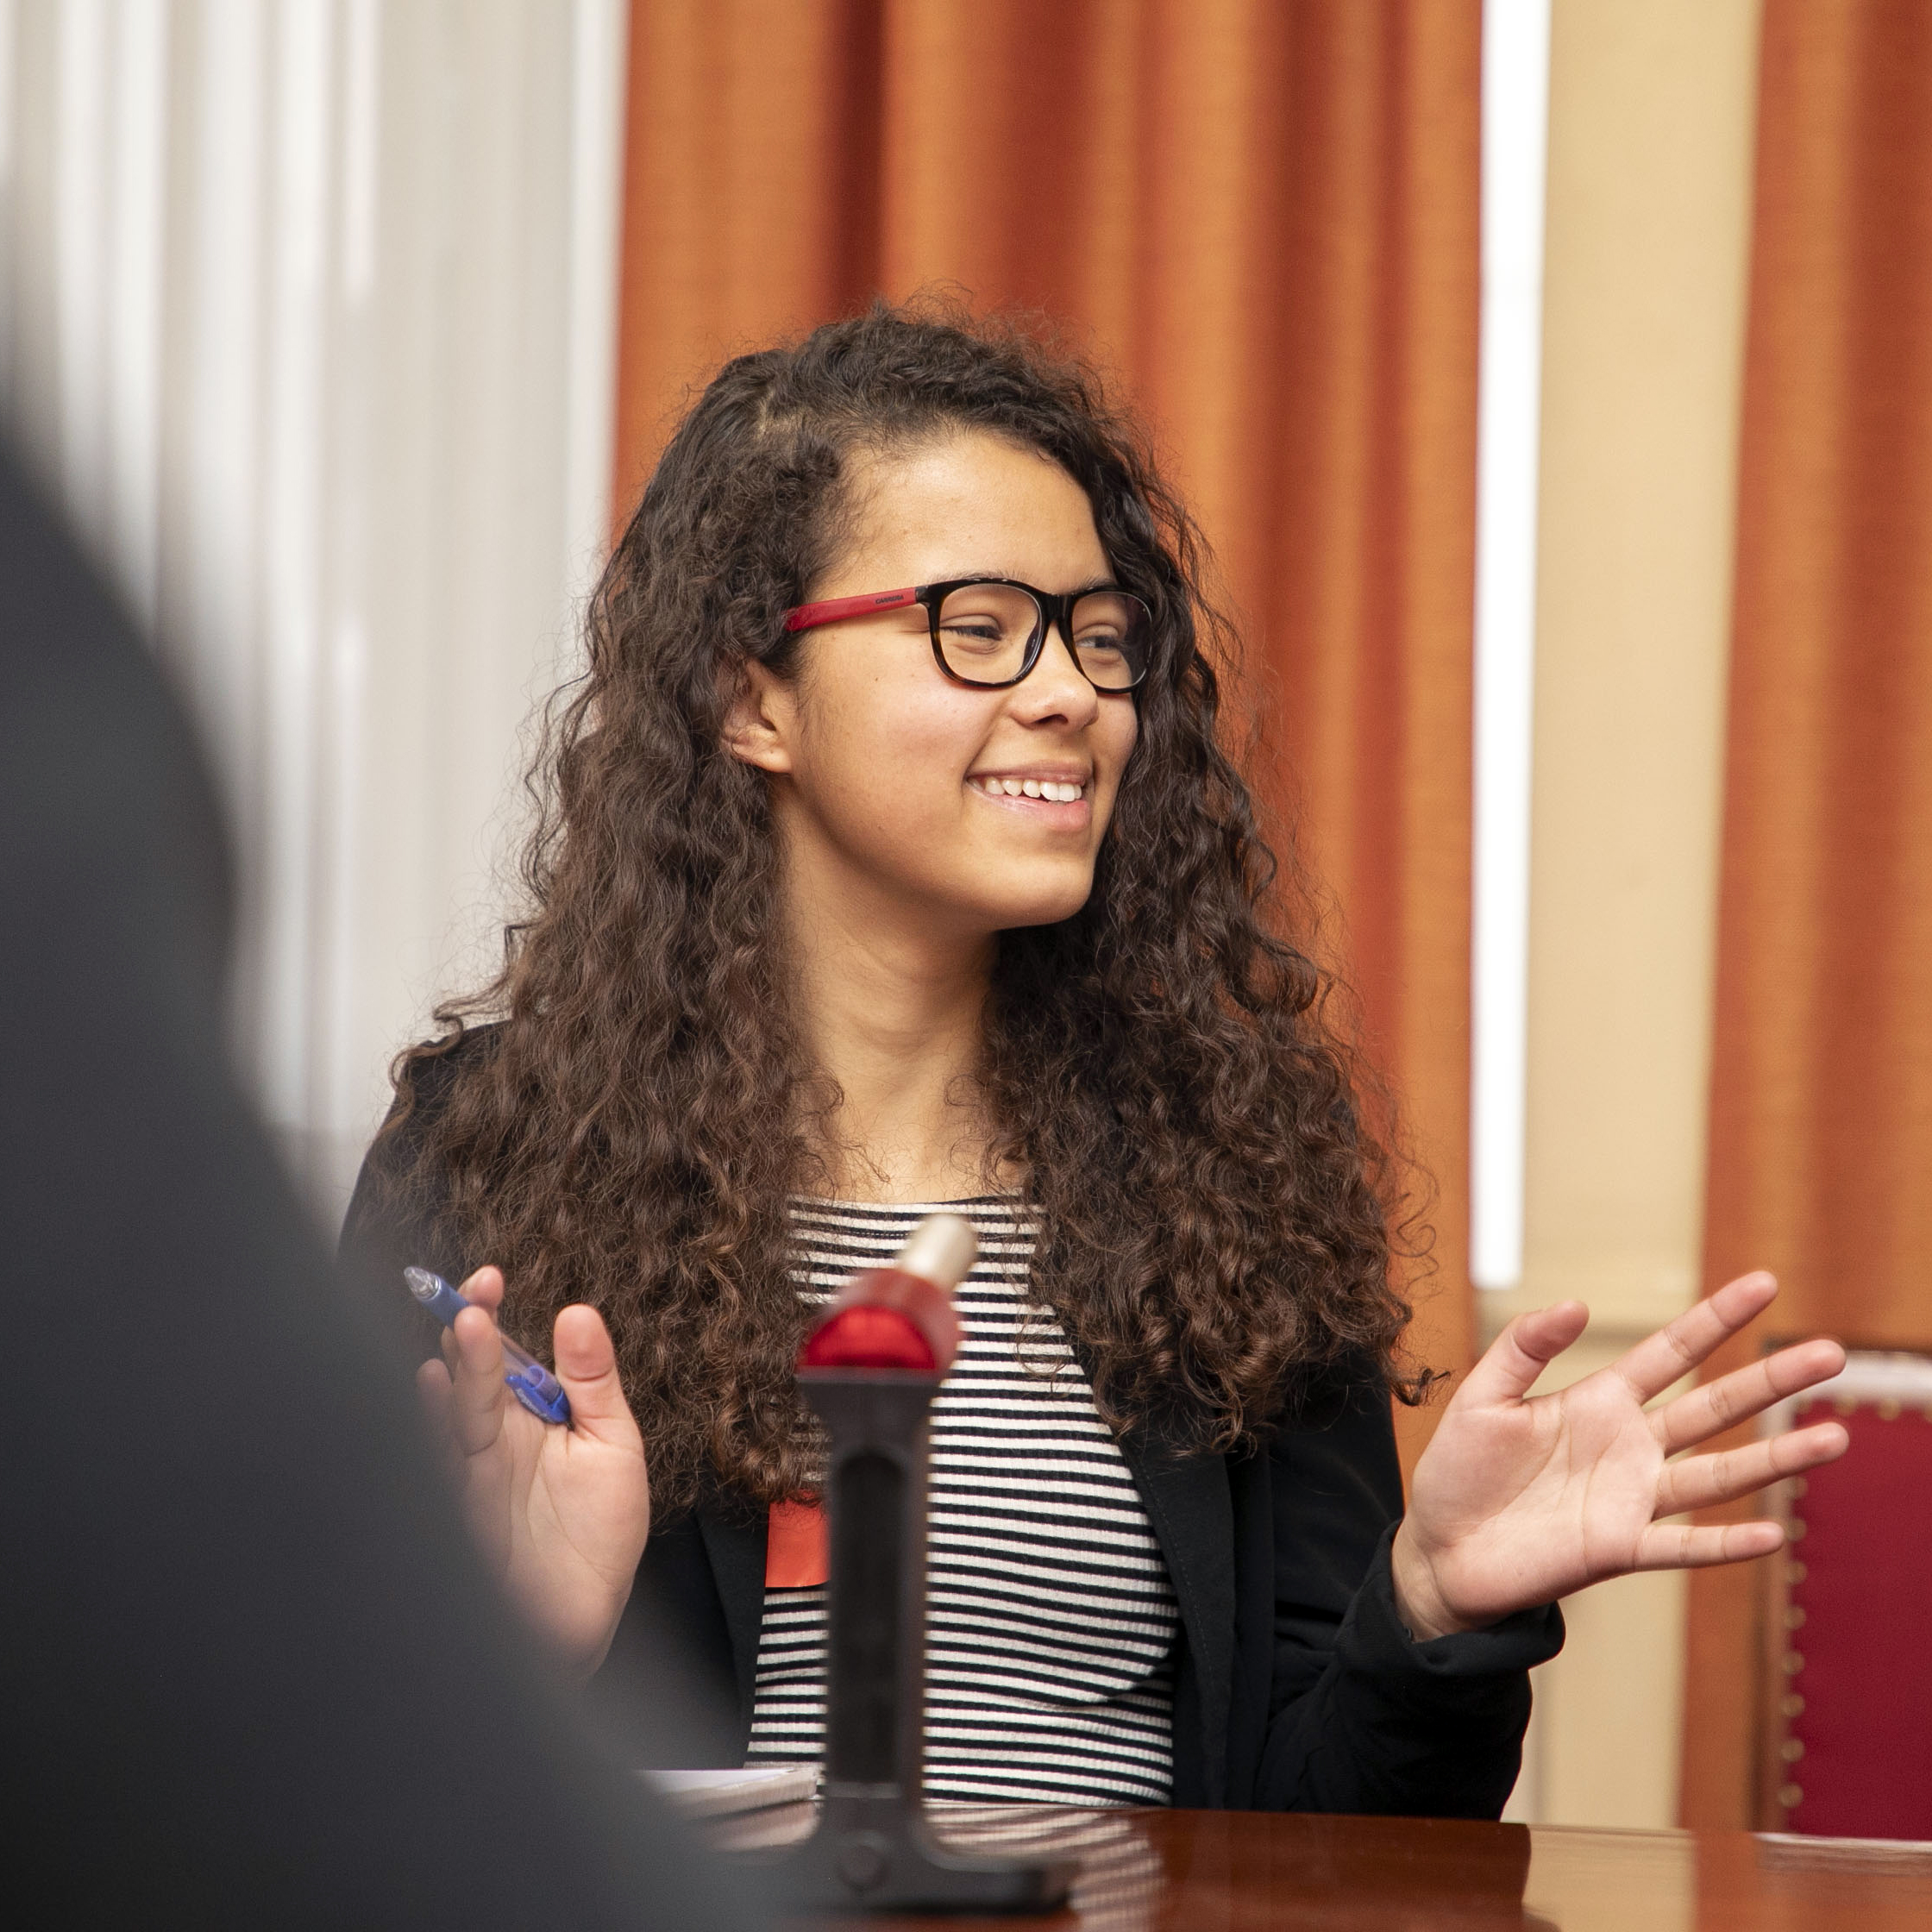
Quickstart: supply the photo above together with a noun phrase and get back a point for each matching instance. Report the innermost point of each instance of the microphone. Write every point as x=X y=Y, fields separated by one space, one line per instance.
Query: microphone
x=870 y=1368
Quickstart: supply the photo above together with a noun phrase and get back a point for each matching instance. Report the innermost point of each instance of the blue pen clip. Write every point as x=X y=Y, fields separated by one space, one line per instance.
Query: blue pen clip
x=529 y=1381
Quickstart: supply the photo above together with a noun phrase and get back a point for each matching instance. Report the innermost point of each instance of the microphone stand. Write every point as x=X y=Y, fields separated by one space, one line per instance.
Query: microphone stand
x=872 y=1848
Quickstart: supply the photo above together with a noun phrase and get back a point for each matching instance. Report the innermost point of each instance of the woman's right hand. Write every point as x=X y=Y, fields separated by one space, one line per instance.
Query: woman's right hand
x=561 y=1514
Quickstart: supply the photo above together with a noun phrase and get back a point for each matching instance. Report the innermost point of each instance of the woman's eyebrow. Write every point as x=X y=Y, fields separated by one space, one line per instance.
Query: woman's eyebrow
x=1012 y=577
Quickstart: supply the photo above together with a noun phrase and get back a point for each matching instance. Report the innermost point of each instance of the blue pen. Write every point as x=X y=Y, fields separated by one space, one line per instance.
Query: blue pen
x=529 y=1381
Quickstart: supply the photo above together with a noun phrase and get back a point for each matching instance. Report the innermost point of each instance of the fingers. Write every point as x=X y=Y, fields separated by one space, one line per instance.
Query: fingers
x=482 y=1289
x=1661 y=1359
x=1698 y=1546
x=1703 y=1482
x=587 y=1365
x=1520 y=1353
x=477 y=1393
x=1734 y=1398
x=485 y=1288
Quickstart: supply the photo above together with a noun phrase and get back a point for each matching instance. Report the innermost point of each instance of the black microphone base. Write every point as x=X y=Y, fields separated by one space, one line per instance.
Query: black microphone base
x=873 y=1852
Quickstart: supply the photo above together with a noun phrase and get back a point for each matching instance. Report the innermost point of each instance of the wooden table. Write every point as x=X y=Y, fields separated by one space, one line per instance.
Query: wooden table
x=1230 y=1871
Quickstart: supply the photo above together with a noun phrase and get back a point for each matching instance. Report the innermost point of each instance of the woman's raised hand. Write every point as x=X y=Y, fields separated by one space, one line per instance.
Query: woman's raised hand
x=1520 y=1499
x=561 y=1514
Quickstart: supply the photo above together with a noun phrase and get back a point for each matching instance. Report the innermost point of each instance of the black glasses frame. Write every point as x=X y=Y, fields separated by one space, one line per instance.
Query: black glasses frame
x=1053 y=609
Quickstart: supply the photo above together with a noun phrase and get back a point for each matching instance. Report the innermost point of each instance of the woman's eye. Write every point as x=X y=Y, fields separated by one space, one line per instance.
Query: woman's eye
x=981 y=631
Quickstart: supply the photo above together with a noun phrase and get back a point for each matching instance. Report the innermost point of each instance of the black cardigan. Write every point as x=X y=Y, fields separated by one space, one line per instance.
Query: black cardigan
x=1296 y=1687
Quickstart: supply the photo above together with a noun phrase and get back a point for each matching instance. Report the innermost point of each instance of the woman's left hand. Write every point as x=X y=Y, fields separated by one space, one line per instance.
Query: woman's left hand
x=1520 y=1499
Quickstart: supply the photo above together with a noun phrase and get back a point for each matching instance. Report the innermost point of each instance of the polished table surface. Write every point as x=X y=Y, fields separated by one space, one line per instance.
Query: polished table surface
x=1228 y=1870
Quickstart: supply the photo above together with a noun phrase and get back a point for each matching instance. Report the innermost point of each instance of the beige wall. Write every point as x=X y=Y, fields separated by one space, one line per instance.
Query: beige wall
x=1651 y=120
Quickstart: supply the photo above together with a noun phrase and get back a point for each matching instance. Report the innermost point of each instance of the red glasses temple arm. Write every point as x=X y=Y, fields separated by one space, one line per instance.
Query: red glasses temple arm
x=803 y=616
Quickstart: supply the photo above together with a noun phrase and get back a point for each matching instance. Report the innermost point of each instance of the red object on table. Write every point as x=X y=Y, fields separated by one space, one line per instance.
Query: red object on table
x=1857 y=1662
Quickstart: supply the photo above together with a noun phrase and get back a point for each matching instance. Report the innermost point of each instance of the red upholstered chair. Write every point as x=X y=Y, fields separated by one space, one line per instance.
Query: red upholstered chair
x=1849 y=1740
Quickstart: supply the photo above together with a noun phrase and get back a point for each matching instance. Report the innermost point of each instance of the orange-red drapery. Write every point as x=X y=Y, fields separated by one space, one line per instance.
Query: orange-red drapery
x=1262 y=217
x=1820 y=1157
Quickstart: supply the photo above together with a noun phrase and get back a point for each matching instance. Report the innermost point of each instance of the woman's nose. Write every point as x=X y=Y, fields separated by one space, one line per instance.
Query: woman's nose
x=1056 y=687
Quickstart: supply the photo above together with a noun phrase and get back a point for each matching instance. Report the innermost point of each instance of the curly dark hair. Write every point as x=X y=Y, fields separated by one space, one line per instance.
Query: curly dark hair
x=1212 y=1205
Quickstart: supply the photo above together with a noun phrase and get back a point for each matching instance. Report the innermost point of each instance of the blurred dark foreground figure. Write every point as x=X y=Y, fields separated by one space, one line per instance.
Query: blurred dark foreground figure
x=251 y=1671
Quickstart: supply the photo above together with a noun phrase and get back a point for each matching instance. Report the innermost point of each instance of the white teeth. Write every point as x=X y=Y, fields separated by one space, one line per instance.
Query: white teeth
x=1058 y=791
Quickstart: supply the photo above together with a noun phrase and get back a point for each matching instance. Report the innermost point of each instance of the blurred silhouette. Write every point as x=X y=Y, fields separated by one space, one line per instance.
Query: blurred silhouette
x=252 y=1670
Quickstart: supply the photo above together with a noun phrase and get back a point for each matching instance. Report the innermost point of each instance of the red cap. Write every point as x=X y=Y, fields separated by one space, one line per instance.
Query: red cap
x=900 y=1318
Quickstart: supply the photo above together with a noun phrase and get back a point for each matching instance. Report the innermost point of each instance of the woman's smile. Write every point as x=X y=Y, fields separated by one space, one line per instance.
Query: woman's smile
x=1054 y=795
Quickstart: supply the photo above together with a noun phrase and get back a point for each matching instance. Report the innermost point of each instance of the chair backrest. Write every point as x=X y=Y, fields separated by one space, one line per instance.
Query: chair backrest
x=1846 y=1729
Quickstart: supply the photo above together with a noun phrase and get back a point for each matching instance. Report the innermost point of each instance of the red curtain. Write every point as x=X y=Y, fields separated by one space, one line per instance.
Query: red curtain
x=1262 y=217
x=1821 y=1154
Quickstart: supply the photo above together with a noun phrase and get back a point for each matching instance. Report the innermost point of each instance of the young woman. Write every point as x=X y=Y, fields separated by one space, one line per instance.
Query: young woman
x=890 y=859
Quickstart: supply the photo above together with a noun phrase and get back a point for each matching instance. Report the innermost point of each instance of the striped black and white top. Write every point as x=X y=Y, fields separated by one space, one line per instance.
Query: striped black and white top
x=1050 y=1621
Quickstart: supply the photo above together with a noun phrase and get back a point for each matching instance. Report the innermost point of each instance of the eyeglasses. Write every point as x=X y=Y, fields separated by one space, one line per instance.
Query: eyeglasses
x=989 y=632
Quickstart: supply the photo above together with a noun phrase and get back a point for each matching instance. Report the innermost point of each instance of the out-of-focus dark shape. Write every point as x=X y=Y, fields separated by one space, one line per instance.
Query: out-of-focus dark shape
x=251 y=1671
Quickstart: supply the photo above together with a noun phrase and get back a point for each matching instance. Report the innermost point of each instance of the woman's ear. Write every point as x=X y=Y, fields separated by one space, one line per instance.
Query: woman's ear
x=759 y=725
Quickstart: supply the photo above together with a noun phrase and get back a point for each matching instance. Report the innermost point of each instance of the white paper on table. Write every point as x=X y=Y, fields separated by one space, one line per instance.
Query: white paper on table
x=715 y=1794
